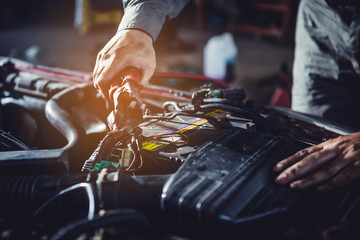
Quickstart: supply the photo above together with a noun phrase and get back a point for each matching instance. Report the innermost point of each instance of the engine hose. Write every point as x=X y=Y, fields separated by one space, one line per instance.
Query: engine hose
x=57 y=111
x=17 y=194
x=22 y=195
x=121 y=217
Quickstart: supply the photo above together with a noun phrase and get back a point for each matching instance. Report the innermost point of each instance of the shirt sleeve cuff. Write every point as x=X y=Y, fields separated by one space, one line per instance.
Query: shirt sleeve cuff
x=138 y=17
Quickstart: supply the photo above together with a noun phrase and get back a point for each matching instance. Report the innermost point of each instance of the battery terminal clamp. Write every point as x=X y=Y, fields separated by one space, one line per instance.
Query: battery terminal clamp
x=128 y=107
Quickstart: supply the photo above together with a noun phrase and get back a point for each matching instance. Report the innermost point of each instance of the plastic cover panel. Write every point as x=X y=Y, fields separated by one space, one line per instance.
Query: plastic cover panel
x=229 y=180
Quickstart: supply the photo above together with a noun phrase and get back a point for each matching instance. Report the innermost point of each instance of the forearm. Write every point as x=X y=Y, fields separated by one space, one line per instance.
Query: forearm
x=149 y=15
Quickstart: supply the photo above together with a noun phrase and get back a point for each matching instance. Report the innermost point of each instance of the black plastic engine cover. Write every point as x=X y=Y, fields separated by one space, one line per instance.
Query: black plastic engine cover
x=228 y=183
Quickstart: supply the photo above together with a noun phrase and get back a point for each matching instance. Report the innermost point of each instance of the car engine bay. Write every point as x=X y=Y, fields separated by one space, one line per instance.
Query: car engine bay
x=197 y=165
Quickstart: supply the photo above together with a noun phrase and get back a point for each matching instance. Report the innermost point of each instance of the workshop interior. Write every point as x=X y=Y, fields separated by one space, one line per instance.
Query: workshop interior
x=205 y=133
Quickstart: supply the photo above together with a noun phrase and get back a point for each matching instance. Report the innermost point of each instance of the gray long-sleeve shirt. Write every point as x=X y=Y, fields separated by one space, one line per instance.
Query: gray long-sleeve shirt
x=149 y=15
x=327 y=61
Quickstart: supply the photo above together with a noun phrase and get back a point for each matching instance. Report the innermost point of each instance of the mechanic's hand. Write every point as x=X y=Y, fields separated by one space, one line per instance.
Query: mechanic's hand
x=128 y=48
x=326 y=166
x=128 y=107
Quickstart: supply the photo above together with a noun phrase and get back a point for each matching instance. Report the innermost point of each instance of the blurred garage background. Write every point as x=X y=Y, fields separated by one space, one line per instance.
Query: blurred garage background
x=69 y=33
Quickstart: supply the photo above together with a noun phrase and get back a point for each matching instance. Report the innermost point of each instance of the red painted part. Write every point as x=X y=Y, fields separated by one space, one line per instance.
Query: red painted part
x=129 y=74
x=132 y=74
x=54 y=72
x=87 y=77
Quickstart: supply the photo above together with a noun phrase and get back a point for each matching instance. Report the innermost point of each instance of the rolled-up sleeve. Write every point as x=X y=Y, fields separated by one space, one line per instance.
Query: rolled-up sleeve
x=149 y=15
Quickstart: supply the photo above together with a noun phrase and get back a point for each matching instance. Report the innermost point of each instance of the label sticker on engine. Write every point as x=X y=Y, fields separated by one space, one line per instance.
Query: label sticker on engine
x=155 y=145
x=152 y=145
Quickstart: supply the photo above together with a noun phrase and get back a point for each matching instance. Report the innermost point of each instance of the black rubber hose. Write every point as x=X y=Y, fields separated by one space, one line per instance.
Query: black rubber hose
x=17 y=194
x=124 y=217
x=22 y=195
x=57 y=111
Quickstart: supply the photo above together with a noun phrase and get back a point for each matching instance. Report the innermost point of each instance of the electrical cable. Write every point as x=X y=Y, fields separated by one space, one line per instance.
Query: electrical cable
x=115 y=146
x=135 y=149
x=10 y=143
x=133 y=160
x=97 y=155
x=175 y=105
x=258 y=119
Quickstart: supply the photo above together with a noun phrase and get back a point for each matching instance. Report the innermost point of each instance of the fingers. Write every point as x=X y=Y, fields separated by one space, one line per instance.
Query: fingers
x=307 y=164
x=329 y=165
x=107 y=72
x=295 y=158
x=114 y=121
x=324 y=174
x=128 y=48
x=291 y=160
x=347 y=176
x=146 y=75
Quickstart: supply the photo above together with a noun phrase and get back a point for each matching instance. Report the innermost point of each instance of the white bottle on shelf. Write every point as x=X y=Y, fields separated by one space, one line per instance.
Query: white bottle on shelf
x=220 y=54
